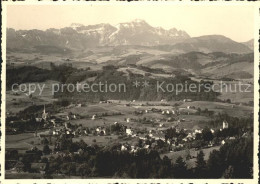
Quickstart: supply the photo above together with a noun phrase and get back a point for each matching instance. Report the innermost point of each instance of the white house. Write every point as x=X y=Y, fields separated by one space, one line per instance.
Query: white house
x=37 y=120
x=147 y=146
x=79 y=105
x=225 y=124
x=128 y=120
x=161 y=125
x=198 y=131
x=94 y=117
x=123 y=148
x=67 y=117
x=129 y=131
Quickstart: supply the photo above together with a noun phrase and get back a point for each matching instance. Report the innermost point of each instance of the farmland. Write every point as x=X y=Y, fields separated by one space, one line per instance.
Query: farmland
x=106 y=129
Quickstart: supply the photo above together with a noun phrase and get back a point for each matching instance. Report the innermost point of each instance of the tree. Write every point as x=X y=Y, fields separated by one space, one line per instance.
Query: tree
x=229 y=172
x=46 y=150
x=165 y=170
x=199 y=111
x=198 y=136
x=200 y=165
x=215 y=165
x=12 y=155
x=44 y=141
x=180 y=168
x=228 y=101
x=83 y=170
x=44 y=160
x=68 y=168
x=207 y=134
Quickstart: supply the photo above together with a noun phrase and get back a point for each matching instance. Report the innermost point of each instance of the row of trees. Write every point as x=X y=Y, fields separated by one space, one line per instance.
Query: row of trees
x=233 y=160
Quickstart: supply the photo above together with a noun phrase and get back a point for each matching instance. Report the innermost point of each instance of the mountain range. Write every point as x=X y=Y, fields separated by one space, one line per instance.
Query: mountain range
x=137 y=32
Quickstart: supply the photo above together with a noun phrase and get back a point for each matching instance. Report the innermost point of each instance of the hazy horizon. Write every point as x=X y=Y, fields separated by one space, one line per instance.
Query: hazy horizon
x=229 y=21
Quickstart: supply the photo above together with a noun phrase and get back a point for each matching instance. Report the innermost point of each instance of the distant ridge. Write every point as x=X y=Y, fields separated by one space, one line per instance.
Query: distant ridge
x=136 y=32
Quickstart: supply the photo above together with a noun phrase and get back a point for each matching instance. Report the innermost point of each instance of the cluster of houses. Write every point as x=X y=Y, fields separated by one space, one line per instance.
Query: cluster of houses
x=175 y=143
x=101 y=130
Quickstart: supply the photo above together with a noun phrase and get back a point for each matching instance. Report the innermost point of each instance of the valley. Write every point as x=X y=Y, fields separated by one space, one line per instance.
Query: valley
x=105 y=133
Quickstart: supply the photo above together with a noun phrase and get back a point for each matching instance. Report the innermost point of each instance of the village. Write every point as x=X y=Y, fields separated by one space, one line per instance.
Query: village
x=156 y=126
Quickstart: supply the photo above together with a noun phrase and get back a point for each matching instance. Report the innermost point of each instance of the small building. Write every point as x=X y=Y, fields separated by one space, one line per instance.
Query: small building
x=187 y=100
x=74 y=116
x=94 y=117
x=67 y=118
x=225 y=124
x=38 y=120
x=161 y=125
x=124 y=147
x=128 y=120
x=198 y=131
x=53 y=122
x=79 y=105
x=210 y=144
x=129 y=131
x=146 y=146
x=101 y=131
x=190 y=136
x=80 y=151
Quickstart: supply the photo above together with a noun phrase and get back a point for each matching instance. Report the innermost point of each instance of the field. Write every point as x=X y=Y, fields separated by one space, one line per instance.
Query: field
x=219 y=107
x=231 y=89
x=18 y=101
x=193 y=153
x=22 y=141
x=190 y=121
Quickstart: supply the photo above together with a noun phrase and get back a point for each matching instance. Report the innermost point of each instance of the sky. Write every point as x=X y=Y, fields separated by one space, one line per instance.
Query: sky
x=235 y=22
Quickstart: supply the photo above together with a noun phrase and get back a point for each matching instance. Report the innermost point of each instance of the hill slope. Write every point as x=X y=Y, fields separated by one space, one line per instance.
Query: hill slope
x=207 y=44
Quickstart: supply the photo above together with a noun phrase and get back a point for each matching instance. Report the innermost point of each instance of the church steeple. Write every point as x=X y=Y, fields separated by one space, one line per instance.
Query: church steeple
x=44 y=114
x=44 y=110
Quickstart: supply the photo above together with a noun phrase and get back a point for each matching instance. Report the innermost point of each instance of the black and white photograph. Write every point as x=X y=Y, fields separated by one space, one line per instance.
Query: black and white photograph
x=143 y=91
